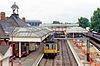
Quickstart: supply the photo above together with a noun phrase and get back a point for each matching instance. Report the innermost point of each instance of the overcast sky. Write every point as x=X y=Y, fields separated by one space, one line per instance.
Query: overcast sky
x=51 y=10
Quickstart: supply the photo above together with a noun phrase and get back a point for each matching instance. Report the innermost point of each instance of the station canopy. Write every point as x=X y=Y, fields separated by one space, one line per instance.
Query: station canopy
x=68 y=25
x=76 y=30
x=30 y=34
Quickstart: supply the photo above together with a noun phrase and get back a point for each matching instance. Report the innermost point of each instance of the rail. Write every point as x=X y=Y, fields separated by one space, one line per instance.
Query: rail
x=70 y=60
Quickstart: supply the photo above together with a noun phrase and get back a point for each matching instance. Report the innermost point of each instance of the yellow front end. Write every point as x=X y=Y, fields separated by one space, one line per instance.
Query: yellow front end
x=50 y=50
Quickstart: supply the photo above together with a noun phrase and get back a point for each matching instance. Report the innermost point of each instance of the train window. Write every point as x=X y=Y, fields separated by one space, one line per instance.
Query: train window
x=47 y=46
x=50 y=46
x=54 y=47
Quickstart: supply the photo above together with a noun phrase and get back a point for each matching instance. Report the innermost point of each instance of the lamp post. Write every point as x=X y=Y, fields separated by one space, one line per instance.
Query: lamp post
x=12 y=50
x=88 y=47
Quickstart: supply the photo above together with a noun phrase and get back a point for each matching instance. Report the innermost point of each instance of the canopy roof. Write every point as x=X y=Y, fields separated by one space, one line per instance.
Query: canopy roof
x=31 y=33
x=76 y=30
x=68 y=25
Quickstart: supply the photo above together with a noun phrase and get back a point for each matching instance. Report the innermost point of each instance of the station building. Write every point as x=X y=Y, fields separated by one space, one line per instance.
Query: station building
x=25 y=38
x=5 y=53
x=6 y=27
x=32 y=22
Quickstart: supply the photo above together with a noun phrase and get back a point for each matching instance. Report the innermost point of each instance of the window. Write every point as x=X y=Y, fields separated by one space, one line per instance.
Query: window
x=54 y=46
x=47 y=47
x=50 y=46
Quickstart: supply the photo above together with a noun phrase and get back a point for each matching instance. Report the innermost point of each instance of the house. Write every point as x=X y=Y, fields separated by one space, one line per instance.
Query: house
x=24 y=37
x=32 y=22
x=6 y=28
x=5 y=53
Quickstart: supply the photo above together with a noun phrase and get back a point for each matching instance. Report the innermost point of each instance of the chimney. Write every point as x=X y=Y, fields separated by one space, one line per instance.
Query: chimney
x=2 y=16
x=23 y=19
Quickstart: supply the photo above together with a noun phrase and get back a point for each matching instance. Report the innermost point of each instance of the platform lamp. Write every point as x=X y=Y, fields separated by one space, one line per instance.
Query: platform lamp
x=12 y=48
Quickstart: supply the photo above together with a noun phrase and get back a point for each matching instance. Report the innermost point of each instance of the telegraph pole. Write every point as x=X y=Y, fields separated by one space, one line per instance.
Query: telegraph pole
x=88 y=47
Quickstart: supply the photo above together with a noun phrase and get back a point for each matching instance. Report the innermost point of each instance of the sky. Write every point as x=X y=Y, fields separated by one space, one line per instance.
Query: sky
x=52 y=10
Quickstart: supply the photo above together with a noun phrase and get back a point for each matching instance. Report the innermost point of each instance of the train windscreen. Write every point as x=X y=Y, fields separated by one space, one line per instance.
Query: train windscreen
x=50 y=46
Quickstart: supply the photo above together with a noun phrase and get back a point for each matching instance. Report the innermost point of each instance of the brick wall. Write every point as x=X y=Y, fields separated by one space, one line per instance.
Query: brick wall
x=2 y=16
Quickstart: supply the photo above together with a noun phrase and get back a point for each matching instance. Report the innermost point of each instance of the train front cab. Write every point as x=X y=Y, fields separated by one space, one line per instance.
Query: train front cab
x=50 y=49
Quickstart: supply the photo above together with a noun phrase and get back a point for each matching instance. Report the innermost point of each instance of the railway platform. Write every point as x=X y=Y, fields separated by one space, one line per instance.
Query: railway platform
x=32 y=59
x=80 y=54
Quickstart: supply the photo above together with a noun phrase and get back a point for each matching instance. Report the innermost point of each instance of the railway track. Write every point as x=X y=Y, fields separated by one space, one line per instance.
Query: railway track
x=63 y=58
x=47 y=62
x=52 y=62
x=97 y=45
x=67 y=56
x=95 y=42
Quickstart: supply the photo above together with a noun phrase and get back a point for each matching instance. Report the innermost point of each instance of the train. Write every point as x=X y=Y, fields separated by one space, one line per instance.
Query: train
x=50 y=49
x=59 y=35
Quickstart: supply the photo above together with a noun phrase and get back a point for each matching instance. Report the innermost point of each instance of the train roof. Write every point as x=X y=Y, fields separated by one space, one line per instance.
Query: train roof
x=50 y=42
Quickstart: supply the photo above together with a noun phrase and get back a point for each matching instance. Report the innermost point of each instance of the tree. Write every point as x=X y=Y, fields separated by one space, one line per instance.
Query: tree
x=56 y=22
x=83 y=22
x=95 y=21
